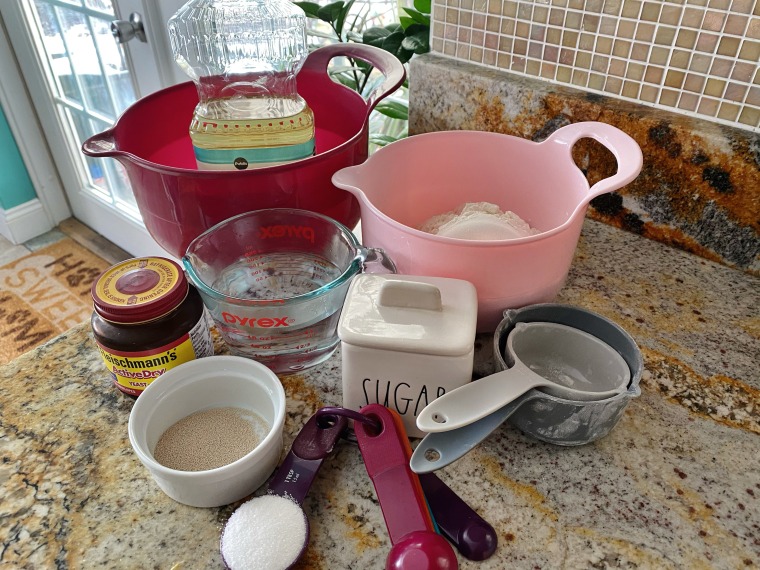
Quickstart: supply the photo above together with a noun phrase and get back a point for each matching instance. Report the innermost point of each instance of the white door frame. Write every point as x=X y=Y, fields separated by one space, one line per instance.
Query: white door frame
x=36 y=216
x=154 y=69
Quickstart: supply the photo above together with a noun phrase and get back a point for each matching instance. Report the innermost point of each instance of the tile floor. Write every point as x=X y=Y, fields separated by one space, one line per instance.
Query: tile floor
x=80 y=233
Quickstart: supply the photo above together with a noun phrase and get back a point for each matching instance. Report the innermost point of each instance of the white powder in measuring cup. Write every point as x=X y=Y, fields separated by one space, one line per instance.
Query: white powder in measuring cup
x=265 y=532
x=478 y=221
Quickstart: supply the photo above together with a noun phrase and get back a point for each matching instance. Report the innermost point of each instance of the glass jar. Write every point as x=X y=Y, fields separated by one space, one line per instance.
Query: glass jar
x=147 y=320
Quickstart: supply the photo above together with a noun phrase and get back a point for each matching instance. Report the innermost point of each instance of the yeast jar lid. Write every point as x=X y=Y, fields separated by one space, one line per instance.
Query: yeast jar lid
x=139 y=290
x=407 y=313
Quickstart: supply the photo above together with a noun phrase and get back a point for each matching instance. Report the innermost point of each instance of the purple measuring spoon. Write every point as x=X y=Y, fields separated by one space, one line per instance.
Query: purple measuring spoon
x=279 y=537
x=473 y=537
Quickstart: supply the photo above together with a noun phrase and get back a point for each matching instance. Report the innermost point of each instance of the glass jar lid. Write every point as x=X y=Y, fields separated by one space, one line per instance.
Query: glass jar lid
x=138 y=290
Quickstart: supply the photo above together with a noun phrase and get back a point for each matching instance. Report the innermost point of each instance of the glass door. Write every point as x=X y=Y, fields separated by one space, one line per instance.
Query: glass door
x=80 y=80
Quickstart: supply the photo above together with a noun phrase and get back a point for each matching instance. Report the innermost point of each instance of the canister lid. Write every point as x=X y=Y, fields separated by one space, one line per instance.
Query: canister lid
x=139 y=290
x=420 y=314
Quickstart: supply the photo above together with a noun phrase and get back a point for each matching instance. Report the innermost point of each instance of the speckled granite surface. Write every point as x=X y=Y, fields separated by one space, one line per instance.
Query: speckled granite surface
x=699 y=188
x=674 y=485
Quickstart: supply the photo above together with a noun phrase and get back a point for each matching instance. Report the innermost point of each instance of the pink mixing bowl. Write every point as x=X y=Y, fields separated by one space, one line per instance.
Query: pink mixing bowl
x=404 y=184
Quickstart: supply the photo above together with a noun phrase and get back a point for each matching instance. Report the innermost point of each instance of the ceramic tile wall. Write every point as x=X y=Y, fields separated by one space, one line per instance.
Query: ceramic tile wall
x=698 y=57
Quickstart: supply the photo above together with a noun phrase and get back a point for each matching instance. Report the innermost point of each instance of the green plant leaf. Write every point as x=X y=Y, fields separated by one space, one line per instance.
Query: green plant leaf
x=392 y=42
x=345 y=79
x=382 y=140
x=417 y=39
x=424 y=6
x=418 y=17
x=375 y=36
x=310 y=8
x=341 y=20
x=406 y=21
x=393 y=109
x=330 y=12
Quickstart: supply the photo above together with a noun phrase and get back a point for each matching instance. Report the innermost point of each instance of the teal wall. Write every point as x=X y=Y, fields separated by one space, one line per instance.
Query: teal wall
x=16 y=187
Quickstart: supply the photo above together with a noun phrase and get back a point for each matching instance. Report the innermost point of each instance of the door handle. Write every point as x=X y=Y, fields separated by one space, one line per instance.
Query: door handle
x=125 y=30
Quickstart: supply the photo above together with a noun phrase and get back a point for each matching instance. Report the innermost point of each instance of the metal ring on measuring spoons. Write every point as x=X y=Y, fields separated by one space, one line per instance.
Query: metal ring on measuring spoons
x=350 y=414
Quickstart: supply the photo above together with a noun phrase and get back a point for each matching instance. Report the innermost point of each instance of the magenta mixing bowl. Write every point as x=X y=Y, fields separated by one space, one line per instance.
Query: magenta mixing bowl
x=178 y=202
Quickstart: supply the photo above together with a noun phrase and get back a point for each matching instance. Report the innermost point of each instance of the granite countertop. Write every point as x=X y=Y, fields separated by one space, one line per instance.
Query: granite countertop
x=676 y=484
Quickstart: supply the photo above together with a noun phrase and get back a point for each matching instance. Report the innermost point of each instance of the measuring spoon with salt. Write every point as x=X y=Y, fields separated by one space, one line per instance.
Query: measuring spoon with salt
x=386 y=452
x=272 y=531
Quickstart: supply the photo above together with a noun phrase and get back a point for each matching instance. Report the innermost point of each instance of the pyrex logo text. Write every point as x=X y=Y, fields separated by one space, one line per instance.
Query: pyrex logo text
x=264 y=323
x=305 y=232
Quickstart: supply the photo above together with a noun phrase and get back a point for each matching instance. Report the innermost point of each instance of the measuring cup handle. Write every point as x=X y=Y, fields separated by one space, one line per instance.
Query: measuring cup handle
x=385 y=62
x=437 y=450
x=471 y=402
x=626 y=150
x=377 y=255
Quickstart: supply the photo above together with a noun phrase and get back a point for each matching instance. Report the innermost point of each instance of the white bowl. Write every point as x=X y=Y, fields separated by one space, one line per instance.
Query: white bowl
x=211 y=382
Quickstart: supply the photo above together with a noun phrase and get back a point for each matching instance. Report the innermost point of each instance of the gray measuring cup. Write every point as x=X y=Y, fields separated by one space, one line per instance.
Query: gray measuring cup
x=538 y=414
x=561 y=360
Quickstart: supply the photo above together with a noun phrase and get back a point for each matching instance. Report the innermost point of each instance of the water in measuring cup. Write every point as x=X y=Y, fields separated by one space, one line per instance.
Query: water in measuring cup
x=308 y=332
x=274 y=276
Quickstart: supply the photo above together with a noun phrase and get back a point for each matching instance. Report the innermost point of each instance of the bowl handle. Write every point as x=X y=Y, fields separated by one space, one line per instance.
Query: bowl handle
x=626 y=150
x=102 y=144
x=387 y=63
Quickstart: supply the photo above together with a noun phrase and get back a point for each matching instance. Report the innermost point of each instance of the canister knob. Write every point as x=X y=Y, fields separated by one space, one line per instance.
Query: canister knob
x=410 y=295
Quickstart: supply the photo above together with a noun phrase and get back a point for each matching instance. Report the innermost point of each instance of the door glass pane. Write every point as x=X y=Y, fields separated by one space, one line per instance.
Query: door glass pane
x=90 y=83
x=104 y=6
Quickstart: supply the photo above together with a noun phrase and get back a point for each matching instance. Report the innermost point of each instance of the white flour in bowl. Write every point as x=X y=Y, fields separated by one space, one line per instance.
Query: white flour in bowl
x=478 y=221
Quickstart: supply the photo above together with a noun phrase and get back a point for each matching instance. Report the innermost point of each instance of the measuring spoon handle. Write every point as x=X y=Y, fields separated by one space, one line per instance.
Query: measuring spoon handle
x=314 y=442
x=474 y=538
x=471 y=402
x=386 y=456
x=437 y=450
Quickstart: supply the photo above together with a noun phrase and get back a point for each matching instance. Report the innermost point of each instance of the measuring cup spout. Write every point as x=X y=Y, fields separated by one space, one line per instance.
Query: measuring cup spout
x=476 y=400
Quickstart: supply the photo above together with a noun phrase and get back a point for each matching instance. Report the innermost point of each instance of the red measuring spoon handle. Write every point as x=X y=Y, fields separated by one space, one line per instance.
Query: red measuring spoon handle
x=313 y=443
x=386 y=456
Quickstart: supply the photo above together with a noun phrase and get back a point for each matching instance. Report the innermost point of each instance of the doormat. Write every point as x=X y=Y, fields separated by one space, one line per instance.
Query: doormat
x=44 y=294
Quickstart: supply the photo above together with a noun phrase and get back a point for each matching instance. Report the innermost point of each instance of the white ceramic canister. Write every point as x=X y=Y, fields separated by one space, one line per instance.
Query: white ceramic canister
x=406 y=340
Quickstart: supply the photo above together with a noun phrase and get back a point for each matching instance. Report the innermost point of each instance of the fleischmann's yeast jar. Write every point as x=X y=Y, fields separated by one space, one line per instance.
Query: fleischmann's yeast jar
x=147 y=320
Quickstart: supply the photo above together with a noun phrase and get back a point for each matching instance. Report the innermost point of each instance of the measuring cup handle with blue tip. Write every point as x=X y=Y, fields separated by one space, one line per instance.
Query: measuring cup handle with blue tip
x=437 y=450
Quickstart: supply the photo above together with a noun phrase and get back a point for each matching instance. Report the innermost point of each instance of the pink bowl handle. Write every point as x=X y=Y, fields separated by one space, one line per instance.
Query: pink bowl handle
x=385 y=62
x=626 y=150
x=102 y=144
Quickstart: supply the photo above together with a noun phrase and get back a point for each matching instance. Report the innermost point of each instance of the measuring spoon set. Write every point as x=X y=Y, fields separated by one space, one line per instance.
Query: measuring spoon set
x=272 y=531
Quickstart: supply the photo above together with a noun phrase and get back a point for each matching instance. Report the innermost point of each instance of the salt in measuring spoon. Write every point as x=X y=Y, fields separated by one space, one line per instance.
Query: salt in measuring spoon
x=566 y=362
x=266 y=531
x=386 y=453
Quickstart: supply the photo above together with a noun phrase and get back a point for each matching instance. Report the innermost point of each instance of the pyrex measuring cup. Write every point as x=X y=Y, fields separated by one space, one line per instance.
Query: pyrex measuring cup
x=560 y=359
x=274 y=282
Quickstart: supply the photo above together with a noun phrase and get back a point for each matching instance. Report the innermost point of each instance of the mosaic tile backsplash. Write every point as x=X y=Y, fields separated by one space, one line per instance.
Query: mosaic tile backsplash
x=696 y=57
x=698 y=190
